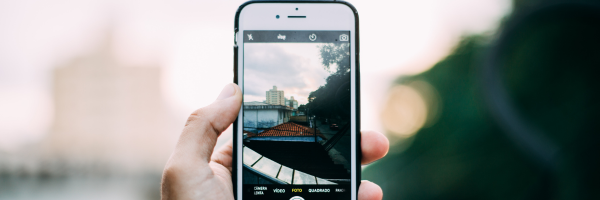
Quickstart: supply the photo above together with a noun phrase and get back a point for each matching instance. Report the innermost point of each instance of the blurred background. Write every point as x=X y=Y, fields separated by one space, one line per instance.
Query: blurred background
x=492 y=99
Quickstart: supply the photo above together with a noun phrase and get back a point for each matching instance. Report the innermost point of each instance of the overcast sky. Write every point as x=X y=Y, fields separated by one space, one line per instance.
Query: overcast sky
x=294 y=68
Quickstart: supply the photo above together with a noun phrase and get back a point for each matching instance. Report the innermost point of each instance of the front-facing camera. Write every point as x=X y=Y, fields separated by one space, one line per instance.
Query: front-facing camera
x=277 y=16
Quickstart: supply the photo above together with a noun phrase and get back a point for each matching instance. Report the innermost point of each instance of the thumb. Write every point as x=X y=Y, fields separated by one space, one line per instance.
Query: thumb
x=204 y=125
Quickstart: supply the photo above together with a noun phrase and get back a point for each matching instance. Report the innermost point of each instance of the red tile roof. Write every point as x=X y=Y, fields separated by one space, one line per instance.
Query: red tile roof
x=287 y=129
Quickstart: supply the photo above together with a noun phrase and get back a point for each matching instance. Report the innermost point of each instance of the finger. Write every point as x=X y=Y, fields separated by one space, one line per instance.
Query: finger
x=374 y=146
x=204 y=125
x=369 y=191
x=223 y=156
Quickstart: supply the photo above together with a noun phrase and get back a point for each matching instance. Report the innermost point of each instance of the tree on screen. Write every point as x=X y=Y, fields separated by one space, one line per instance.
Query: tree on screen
x=332 y=100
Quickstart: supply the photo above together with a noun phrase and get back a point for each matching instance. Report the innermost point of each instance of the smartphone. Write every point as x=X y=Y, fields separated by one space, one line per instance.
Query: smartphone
x=297 y=134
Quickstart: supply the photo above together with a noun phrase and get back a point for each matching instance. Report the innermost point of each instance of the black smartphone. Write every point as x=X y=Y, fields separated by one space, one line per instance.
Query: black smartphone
x=297 y=135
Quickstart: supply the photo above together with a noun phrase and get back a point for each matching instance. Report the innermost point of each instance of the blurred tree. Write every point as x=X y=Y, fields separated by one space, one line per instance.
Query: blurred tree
x=546 y=62
x=463 y=155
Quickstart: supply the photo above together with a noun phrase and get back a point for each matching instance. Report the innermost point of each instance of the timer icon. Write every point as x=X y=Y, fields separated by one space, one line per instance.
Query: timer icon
x=312 y=37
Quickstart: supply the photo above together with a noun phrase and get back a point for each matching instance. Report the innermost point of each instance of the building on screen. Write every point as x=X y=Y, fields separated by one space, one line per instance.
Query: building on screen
x=259 y=116
x=275 y=97
x=292 y=103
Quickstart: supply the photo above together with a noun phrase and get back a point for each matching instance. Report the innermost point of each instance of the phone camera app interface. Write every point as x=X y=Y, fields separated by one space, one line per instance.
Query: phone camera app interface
x=296 y=115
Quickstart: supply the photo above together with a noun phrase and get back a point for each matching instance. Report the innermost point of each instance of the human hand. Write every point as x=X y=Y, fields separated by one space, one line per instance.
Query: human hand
x=194 y=171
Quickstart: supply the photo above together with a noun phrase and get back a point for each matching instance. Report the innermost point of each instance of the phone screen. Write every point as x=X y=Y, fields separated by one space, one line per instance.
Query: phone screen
x=296 y=115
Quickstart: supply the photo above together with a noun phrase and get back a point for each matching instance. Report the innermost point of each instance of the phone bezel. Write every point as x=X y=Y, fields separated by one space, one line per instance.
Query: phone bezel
x=263 y=18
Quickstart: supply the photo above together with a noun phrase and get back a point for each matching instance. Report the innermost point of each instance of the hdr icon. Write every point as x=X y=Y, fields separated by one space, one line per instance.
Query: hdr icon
x=281 y=37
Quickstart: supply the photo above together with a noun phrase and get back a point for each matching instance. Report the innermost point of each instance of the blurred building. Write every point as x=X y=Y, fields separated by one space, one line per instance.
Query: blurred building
x=108 y=117
x=275 y=97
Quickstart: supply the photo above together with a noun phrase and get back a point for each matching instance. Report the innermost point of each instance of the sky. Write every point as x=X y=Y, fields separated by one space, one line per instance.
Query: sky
x=192 y=40
x=294 y=68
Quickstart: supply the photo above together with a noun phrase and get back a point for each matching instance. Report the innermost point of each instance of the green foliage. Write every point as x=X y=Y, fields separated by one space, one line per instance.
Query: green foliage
x=336 y=54
x=462 y=156
x=548 y=68
x=302 y=108
x=332 y=100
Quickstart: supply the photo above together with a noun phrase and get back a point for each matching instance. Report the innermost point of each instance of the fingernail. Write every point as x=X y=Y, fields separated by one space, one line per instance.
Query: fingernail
x=227 y=92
